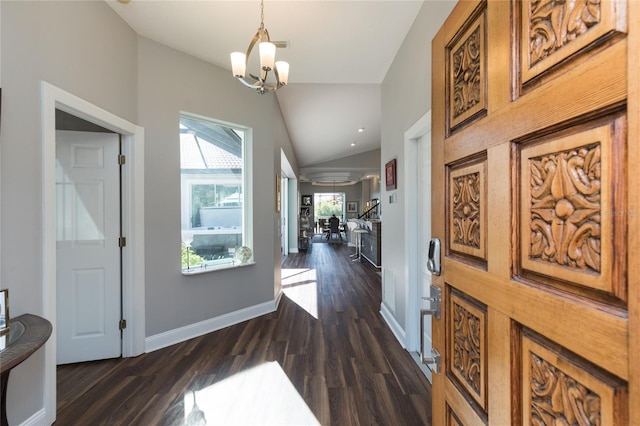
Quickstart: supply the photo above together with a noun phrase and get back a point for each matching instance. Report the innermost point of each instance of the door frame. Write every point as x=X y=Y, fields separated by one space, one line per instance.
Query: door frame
x=290 y=206
x=132 y=210
x=284 y=216
x=413 y=268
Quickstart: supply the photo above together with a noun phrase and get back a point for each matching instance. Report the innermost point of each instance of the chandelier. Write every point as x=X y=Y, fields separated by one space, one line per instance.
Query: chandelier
x=267 y=50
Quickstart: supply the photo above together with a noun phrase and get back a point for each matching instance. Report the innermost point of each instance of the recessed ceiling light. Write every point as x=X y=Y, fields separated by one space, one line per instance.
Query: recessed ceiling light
x=361 y=129
x=353 y=144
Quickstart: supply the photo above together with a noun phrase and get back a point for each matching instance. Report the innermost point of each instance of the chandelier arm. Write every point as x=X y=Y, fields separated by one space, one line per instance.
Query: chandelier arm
x=258 y=85
x=255 y=38
x=275 y=73
x=249 y=85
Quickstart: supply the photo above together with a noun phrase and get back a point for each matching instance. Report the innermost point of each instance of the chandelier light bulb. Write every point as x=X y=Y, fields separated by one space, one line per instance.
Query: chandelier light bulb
x=282 y=68
x=267 y=55
x=238 y=64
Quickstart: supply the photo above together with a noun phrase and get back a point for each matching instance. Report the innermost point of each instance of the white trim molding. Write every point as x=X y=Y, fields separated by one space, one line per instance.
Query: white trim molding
x=413 y=270
x=178 y=335
x=395 y=328
x=133 y=273
x=37 y=419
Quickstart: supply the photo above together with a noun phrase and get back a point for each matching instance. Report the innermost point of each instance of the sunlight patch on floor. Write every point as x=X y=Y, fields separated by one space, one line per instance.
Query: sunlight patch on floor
x=262 y=395
x=301 y=286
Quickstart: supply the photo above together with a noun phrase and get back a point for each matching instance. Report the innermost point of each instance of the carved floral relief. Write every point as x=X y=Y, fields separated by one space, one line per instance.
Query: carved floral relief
x=466 y=210
x=555 y=23
x=466 y=71
x=557 y=398
x=467 y=346
x=466 y=74
x=560 y=388
x=555 y=32
x=565 y=208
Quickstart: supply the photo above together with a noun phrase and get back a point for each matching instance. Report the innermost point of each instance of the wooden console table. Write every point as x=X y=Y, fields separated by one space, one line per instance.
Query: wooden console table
x=27 y=334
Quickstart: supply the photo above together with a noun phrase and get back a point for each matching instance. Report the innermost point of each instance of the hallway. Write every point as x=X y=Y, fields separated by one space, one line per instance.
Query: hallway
x=325 y=357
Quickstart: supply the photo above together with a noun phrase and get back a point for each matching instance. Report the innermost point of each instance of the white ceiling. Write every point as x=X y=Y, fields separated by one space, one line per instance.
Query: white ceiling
x=339 y=52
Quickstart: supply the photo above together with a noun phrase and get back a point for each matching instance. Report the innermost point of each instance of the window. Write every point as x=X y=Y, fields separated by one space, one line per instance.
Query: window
x=327 y=204
x=215 y=215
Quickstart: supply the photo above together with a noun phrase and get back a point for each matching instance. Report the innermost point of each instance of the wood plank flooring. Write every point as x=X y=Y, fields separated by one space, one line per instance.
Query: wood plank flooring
x=325 y=357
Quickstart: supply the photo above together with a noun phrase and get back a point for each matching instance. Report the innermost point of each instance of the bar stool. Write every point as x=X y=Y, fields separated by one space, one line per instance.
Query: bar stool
x=351 y=226
x=359 y=233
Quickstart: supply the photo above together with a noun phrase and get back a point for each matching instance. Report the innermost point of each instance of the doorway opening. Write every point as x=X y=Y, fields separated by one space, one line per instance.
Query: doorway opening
x=417 y=146
x=133 y=276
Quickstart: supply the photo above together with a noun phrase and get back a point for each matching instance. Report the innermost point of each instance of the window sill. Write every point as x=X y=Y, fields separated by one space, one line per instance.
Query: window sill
x=231 y=265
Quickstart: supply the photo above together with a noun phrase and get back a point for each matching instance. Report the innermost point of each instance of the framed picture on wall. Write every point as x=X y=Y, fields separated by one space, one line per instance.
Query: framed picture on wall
x=304 y=212
x=352 y=206
x=306 y=200
x=390 y=174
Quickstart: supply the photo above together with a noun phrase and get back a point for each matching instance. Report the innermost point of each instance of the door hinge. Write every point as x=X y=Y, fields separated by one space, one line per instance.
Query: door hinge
x=122 y=242
x=121 y=159
x=123 y=324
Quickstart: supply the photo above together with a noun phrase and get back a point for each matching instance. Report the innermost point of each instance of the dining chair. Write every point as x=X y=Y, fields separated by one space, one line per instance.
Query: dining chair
x=334 y=229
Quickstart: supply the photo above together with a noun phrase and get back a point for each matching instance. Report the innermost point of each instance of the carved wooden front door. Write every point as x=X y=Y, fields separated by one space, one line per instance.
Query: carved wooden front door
x=536 y=203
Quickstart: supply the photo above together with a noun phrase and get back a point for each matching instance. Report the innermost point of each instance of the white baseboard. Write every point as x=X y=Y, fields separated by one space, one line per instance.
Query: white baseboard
x=390 y=319
x=37 y=419
x=168 y=338
x=278 y=298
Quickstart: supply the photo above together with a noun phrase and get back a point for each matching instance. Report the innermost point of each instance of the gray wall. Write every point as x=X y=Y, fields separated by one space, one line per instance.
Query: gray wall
x=170 y=82
x=406 y=96
x=84 y=48
x=72 y=45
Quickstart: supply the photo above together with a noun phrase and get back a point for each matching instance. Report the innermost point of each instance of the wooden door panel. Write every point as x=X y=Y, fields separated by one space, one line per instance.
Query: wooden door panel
x=596 y=87
x=633 y=197
x=458 y=411
x=466 y=63
x=531 y=153
x=598 y=336
x=571 y=209
x=560 y=387
x=467 y=225
x=555 y=34
x=452 y=419
x=467 y=347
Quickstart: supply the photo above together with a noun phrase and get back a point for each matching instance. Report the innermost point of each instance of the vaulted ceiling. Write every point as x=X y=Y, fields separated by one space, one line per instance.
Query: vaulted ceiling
x=339 y=52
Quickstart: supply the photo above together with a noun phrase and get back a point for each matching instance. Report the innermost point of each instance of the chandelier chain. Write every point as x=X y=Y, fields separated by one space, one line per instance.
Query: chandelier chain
x=261 y=14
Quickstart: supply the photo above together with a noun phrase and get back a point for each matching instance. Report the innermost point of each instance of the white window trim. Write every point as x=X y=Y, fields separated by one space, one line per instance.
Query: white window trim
x=247 y=190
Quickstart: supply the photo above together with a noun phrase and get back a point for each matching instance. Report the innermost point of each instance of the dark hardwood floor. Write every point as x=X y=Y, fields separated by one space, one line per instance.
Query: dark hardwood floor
x=325 y=357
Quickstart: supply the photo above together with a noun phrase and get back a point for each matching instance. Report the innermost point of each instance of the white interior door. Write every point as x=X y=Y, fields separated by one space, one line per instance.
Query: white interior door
x=88 y=255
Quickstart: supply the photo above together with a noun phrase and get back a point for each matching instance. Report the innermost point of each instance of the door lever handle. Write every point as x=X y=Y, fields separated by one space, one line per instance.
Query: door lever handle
x=435 y=300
